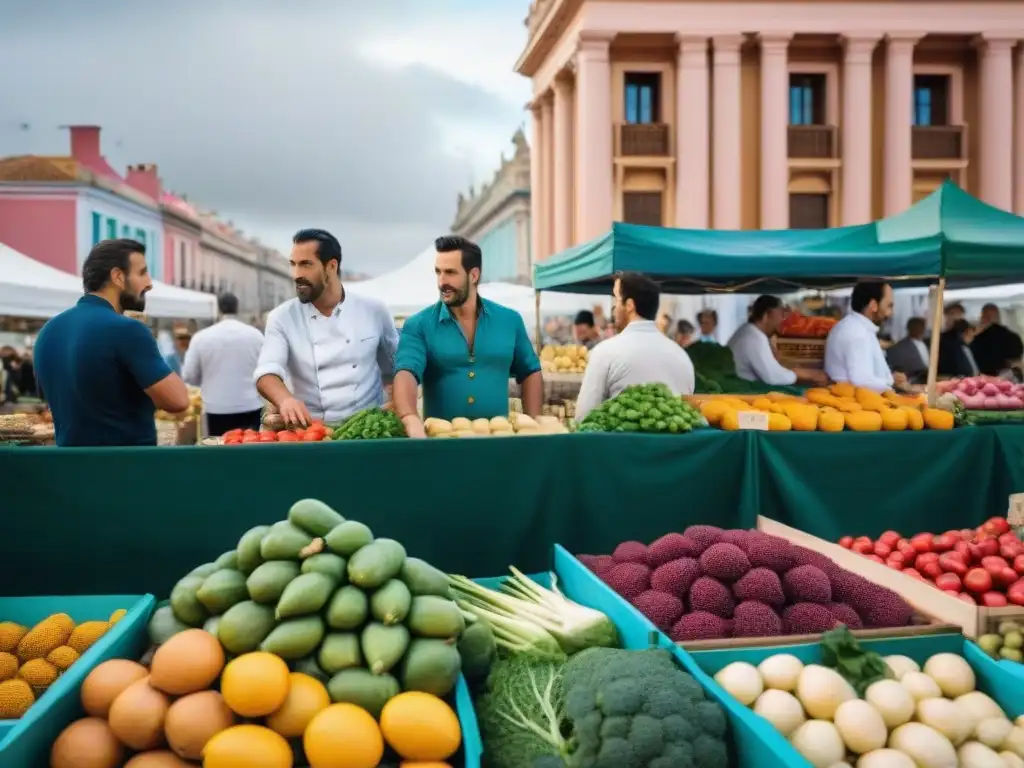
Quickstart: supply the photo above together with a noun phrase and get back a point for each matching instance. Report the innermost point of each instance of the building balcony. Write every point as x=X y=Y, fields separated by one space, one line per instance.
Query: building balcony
x=938 y=142
x=812 y=142
x=642 y=140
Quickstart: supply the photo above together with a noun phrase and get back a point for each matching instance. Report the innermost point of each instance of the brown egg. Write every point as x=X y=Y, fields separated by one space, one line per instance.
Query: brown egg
x=190 y=661
x=164 y=758
x=105 y=683
x=86 y=743
x=193 y=720
x=137 y=716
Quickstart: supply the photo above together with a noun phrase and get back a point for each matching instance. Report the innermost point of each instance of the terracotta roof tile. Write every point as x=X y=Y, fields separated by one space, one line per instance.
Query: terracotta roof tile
x=38 y=168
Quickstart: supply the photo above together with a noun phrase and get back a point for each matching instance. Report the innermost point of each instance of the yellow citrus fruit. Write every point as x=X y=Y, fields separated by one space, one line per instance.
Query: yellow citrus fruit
x=420 y=726
x=343 y=736
x=306 y=697
x=255 y=684
x=247 y=746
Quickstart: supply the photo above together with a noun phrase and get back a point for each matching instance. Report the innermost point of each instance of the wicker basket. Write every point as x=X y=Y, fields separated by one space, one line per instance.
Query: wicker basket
x=801 y=353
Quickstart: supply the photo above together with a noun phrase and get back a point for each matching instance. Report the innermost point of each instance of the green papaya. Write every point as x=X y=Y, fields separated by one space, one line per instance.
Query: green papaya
x=338 y=651
x=363 y=688
x=348 y=537
x=431 y=666
x=267 y=583
x=375 y=563
x=390 y=604
x=163 y=625
x=294 y=638
x=221 y=590
x=203 y=570
x=383 y=647
x=432 y=616
x=248 y=548
x=477 y=650
x=211 y=624
x=227 y=560
x=308 y=666
x=184 y=602
x=244 y=626
x=284 y=542
x=327 y=563
x=314 y=517
x=348 y=608
x=306 y=593
x=424 y=579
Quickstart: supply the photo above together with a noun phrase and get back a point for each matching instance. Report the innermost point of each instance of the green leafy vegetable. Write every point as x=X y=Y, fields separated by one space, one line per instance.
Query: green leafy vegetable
x=860 y=668
x=370 y=424
x=644 y=408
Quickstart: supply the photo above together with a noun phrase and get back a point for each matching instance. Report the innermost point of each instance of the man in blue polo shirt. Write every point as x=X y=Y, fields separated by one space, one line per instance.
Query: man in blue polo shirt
x=463 y=349
x=100 y=371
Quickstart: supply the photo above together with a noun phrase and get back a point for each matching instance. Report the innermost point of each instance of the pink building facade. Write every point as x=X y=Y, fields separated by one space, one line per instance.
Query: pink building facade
x=736 y=114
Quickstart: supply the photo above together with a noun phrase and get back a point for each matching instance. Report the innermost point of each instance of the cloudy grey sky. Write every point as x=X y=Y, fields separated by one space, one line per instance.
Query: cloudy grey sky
x=363 y=117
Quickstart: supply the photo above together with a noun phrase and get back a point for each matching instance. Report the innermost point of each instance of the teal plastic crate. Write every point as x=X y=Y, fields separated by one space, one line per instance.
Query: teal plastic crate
x=472 y=746
x=26 y=742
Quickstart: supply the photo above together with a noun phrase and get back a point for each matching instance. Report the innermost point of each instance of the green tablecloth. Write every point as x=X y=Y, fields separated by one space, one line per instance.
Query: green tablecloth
x=129 y=520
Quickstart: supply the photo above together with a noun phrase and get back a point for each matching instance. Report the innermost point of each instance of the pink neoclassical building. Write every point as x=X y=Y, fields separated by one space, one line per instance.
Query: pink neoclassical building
x=746 y=114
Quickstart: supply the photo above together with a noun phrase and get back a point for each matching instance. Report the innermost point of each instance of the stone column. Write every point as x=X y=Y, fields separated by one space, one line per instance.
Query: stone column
x=774 y=131
x=692 y=129
x=538 y=212
x=727 y=144
x=563 y=164
x=594 y=182
x=1018 y=122
x=548 y=173
x=996 y=107
x=856 y=129
x=899 y=95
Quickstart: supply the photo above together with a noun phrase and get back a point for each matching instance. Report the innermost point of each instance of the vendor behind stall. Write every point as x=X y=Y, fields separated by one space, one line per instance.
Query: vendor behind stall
x=639 y=354
x=852 y=351
x=752 y=349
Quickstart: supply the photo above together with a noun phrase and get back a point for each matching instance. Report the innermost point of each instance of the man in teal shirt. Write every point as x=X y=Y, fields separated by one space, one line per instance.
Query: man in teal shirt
x=463 y=349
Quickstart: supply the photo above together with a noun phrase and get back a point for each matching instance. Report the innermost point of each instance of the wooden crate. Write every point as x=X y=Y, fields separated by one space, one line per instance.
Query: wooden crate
x=974 y=620
x=801 y=353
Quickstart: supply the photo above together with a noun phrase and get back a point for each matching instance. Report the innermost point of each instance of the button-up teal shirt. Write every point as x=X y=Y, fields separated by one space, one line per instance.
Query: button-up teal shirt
x=459 y=381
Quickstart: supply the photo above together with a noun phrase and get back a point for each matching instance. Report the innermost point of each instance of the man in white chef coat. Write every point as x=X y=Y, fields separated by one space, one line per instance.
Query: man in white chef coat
x=852 y=351
x=337 y=348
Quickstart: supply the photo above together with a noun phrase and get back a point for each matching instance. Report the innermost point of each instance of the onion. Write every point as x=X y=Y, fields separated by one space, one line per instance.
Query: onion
x=947 y=717
x=925 y=746
x=819 y=742
x=860 y=726
x=893 y=702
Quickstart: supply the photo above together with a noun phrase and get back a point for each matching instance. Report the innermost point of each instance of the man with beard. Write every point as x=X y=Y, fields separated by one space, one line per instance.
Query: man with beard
x=463 y=349
x=852 y=351
x=337 y=348
x=101 y=372
x=639 y=354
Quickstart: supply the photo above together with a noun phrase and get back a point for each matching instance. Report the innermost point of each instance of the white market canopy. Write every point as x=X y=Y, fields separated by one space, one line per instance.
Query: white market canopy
x=29 y=288
x=413 y=286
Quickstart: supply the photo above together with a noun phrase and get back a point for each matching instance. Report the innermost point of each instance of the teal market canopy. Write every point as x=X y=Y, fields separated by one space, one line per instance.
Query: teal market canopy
x=948 y=234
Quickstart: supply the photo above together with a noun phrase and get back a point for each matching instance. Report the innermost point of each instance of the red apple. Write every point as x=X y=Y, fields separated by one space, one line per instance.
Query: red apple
x=967 y=598
x=1009 y=551
x=993 y=561
x=882 y=550
x=922 y=542
x=902 y=543
x=863 y=547
x=994 y=600
x=998 y=524
x=897 y=557
x=876 y=558
x=1009 y=536
x=1005 y=577
x=948 y=581
x=950 y=563
x=846 y=542
x=896 y=565
x=864 y=538
x=1018 y=564
x=963 y=549
x=978 y=580
x=890 y=538
x=927 y=557
x=942 y=543
x=1015 y=592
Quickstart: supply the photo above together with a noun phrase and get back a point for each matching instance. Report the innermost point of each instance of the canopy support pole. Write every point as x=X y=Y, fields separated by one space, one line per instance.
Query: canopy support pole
x=536 y=318
x=933 y=350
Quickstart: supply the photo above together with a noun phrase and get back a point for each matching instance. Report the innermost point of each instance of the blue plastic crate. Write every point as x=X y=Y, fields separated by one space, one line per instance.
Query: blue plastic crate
x=26 y=742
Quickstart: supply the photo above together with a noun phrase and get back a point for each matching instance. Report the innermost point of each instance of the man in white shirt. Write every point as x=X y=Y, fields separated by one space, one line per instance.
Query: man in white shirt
x=752 y=349
x=852 y=351
x=220 y=361
x=338 y=349
x=638 y=354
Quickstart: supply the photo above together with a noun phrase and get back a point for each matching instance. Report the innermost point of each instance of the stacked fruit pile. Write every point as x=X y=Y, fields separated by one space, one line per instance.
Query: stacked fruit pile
x=708 y=583
x=499 y=426
x=191 y=705
x=564 y=358
x=983 y=565
x=31 y=659
x=842 y=407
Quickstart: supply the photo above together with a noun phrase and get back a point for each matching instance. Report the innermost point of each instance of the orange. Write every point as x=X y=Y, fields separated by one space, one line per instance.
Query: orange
x=255 y=684
x=420 y=726
x=247 y=746
x=407 y=764
x=343 y=736
x=306 y=697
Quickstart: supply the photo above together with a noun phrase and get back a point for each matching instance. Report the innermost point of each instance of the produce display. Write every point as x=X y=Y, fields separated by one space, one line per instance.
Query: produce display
x=715 y=371
x=985 y=393
x=797 y=325
x=643 y=408
x=708 y=583
x=368 y=424
x=32 y=658
x=983 y=565
x=325 y=598
x=836 y=409
x=1006 y=642
x=557 y=694
x=564 y=358
x=499 y=426
x=858 y=708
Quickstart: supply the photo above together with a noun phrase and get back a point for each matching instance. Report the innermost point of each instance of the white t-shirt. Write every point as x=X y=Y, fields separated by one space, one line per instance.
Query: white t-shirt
x=853 y=354
x=752 y=353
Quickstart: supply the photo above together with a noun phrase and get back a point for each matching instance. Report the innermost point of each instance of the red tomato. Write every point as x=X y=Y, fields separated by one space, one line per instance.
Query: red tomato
x=864 y=538
x=233 y=440
x=268 y=437
x=1018 y=564
x=1005 y=577
x=922 y=542
x=312 y=436
x=1015 y=593
x=846 y=542
x=951 y=593
x=932 y=570
x=978 y=580
x=232 y=433
x=251 y=439
x=999 y=525
x=963 y=549
x=950 y=563
x=1009 y=550
x=317 y=424
x=889 y=538
x=927 y=557
x=955 y=535
x=863 y=547
x=287 y=437
x=993 y=561
x=994 y=600
x=896 y=565
x=882 y=550
x=943 y=543
x=300 y=433
x=948 y=582
x=896 y=557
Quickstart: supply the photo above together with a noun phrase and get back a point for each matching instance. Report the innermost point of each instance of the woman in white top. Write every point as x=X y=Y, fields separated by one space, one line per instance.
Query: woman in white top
x=752 y=350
